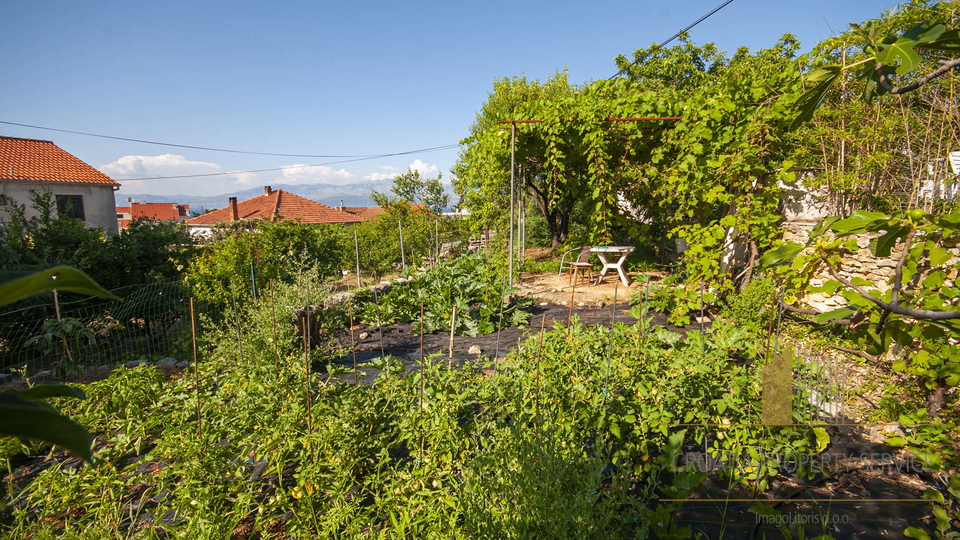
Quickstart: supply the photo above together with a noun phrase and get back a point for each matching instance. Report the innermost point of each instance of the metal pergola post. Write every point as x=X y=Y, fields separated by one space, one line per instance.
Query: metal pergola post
x=513 y=140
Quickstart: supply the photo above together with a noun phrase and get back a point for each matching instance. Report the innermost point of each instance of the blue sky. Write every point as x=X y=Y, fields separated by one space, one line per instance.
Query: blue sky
x=324 y=77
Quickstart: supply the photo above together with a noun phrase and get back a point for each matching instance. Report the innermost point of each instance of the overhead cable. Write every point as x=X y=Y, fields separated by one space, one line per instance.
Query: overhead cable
x=288 y=167
x=190 y=146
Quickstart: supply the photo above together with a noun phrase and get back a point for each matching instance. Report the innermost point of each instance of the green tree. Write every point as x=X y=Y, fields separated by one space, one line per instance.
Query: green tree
x=482 y=171
x=272 y=251
x=714 y=177
x=872 y=153
x=433 y=195
x=681 y=67
x=413 y=188
x=146 y=252
x=917 y=316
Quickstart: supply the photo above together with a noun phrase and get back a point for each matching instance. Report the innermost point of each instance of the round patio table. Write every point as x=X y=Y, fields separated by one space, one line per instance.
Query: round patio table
x=603 y=252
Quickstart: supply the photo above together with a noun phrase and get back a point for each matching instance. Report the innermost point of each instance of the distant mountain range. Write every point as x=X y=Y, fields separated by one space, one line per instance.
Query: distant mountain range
x=357 y=194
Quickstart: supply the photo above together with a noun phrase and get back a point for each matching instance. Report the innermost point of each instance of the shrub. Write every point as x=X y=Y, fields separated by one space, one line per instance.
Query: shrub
x=473 y=283
x=276 y=251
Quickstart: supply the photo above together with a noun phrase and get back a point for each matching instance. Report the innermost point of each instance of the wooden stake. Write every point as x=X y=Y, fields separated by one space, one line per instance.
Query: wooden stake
x=536 y=403
x=66 y=346
x=453 y=328
x=640 y=333
x=356 y=248
x=496 y=352
x=423 y=374
x=513 y=139
x=196 y=368
x=236 y=317
x=403 y=257
x=256 y=260
x=573 y=295
x=353 y=347
x=273 y=309
x=306 y=379
x=376 y=301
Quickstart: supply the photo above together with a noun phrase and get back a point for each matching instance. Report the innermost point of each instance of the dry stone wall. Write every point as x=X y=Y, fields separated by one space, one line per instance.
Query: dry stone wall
x=862 y=264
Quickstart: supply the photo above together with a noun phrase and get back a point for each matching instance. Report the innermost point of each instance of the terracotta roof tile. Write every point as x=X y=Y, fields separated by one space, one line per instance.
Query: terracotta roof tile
x=365 y=213
x=157 y=211
x=123 y=209
x=281 y=203
x=33 y=159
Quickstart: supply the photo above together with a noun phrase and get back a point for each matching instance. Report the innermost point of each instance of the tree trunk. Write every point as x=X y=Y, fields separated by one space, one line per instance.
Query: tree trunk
x=558 y=220
x=557 y=229
x=754 y=258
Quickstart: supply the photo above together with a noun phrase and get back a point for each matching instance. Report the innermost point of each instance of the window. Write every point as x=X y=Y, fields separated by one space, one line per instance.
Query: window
x=4 y=200
x=70 y=206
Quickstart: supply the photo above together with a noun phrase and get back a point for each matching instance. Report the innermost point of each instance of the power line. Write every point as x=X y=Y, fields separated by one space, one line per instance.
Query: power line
x=675 y=36
x=364 y=158
x=190 y=146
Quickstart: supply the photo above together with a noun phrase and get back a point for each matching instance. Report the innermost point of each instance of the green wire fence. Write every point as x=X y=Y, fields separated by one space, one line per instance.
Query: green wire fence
x=149 y=322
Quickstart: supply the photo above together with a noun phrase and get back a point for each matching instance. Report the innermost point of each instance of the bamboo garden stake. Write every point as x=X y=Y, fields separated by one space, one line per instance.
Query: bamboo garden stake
x=196 y=367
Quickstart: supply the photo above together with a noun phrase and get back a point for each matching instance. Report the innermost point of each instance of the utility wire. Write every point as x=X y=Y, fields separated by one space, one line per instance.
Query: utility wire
x=288 y=167
x=364 y=156
x=658 y=46
x=190 y=146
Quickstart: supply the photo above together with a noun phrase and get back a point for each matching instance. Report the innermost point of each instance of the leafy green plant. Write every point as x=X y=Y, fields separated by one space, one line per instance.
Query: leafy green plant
x=472 y=284
x=25 y=413
x=579 y=435
x=65 y=331
x=268 y=252
x=946 y=509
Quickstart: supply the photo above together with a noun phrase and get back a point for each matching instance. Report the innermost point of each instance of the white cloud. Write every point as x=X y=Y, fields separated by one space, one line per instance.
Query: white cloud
x=244 y=178
x=125 y=168
x=423 y=168
x=162 y=165
x=380 y=176
x=313 y=174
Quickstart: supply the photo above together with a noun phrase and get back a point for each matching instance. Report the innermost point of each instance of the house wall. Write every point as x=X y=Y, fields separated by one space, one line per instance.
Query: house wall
x=801 y=204
x=199 y=232
x=99 y=207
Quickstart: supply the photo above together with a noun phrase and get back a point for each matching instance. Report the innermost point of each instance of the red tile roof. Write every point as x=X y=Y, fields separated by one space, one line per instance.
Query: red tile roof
x=157 y=211
x=33 y=159
x=152 y=212
x=365 y=213
x=278 y=205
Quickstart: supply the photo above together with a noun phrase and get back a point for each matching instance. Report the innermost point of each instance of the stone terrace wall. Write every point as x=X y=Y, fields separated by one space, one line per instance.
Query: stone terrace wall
x=860 y=264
